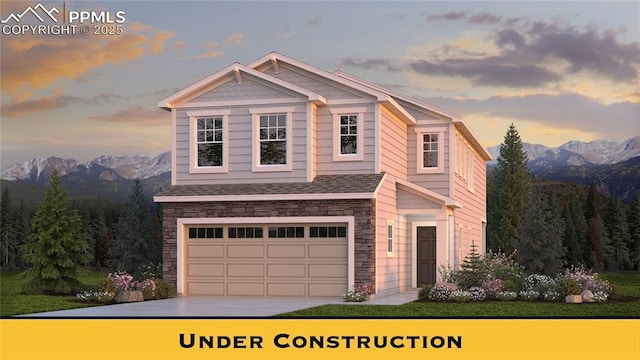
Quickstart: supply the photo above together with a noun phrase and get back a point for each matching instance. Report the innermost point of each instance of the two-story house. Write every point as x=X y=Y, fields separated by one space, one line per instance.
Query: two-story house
x=288 y=180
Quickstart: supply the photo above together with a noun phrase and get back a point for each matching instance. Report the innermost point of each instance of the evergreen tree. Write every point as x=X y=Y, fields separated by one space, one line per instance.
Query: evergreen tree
x=510 y=192
x=22 y=231
x=618 y=257
x=58 y=246
x=136 y=241
x=634 y=233
x=596 y=235
x=102 y=235
x=539 y=246
x=570 y=240
x=7 y=240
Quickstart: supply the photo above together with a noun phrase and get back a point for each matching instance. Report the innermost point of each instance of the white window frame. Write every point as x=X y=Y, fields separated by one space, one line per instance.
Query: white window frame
x=193 y=141
x=256 y=113
x=420 y=148
x=337 y=113
x=390 y=238
x=470 y=158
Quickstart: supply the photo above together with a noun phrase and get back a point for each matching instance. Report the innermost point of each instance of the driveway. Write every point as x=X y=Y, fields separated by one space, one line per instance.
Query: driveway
x=216 y=307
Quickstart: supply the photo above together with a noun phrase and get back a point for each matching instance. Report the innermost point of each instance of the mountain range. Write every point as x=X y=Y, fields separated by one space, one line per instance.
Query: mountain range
x=614 y=166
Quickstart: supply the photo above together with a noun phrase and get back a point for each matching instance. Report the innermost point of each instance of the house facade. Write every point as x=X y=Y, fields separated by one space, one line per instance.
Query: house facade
x=288 y=180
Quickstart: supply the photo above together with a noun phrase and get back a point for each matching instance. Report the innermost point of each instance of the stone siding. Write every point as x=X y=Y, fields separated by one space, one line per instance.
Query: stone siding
x=362 y=210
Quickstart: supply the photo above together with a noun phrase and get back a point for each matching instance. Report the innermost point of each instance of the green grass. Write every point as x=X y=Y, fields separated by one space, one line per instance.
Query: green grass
x=12 y=302
x=627 y=306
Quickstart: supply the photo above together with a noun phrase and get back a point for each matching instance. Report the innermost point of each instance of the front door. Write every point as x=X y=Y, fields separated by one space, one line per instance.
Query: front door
x=426 y=255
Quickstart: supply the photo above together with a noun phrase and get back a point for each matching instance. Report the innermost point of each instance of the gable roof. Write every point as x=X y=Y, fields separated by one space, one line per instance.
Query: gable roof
x=237 y=68
x=380 y=96
x=358 y=186
x=455 y=118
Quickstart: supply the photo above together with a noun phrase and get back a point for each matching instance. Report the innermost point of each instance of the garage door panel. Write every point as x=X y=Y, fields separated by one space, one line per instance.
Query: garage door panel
x=328 y=251
x=286 y=289
x=206 y=288
x=245 y=251
x=245 y=289
x=286 y=270
x=326 y=289
x=208 y=270
x=205 y=251
x=286 y=251
x=245 y=270
x=327 y=271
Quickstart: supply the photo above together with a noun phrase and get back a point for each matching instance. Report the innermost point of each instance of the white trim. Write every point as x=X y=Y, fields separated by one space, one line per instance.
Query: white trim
x=337 y=112
x=420 y=169
x=265 y=197
x=193 y=143
x=255 y=114
x=414 y=248
x=452 y=159
x=182 y=223
x=430 y=194
x=244 y=102
x=377 y=124
x=356 y=101
x=174 y=145
x=310 y=143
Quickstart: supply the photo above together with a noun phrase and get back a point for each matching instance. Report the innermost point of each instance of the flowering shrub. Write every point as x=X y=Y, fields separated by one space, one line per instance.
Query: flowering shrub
x=506 y=295
x=600 y=296
x=150 y=271
x=567 y=286
x=96 y=296
x=529 y=295
x=460 y=296
x=439 y=292
x=359 y=293
x=492 y=287
x=588 y=280
x=537 y=281
x=148 y=288
x=550 y=295
x=123 y=281
x=477 y=294
x=423 y=293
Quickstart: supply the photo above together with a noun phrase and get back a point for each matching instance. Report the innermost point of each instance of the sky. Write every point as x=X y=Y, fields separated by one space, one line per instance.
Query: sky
x=557 y=70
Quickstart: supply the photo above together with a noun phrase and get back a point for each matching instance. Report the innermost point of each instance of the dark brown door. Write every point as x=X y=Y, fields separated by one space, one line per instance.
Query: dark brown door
x=426 y=255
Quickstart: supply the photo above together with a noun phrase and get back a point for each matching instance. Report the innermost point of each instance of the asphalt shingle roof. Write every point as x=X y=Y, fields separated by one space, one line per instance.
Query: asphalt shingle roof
x=324 y=184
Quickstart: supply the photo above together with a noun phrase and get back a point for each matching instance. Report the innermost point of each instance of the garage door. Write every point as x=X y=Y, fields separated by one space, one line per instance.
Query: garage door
x=267 y=260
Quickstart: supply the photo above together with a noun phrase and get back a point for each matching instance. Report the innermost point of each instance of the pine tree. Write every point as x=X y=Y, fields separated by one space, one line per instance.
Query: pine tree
x=618 y=257
x=136 y=242
x=7 y=241
x=570 y=240
x=634 y=233
x=596 y=236
x=58 y=246
x=539 y=247
x=510 y=192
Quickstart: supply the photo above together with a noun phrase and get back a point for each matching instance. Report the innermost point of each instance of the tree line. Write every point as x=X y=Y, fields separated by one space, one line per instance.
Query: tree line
x=549 y=226
x=64 y=235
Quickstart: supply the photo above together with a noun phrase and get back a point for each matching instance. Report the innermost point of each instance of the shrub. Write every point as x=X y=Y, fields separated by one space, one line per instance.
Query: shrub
x=439 y=292
x=359 y=293
x=423 y=293
x=102 y=297
x=529 y=295
x=550 y=295
x=106 y=285
x=150 y=271
x=460 y=296
x=492 y=287
x=537 y=282
x=568 y=286
x=477 y=294
x=123 y=281
x=589 y=280
x=600 y=296
x=148 y=288
x=506 y=295
x=164 y=289
x=503 y=267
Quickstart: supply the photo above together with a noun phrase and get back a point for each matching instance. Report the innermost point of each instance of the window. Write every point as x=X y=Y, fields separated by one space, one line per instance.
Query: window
x=327 y=231
x=272 y=147
x=205 y=233
x=286 y=232
x=390 y=238
x=464 y=161
x=348 y=134
x=430 y=150
x=245 y=232
x=208 y=141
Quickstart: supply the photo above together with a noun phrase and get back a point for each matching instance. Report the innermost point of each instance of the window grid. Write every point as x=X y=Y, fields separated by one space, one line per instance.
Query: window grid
x=430 y=150
x=245 y=233
x=205 y=233
x=209 y=141
x=348 y=134
x=286 y=232
x=389 y=238
x=273 y=139
x=327 y=231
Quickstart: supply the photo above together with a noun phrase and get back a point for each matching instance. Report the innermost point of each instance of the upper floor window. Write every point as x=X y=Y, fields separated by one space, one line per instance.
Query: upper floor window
x=272 y=140
x=430 y=151
x=348 y=130
x=464 y=161
x=209 y=143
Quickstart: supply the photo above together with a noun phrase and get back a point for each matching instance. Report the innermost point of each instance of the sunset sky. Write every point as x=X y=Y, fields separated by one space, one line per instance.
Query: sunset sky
x=559 y=71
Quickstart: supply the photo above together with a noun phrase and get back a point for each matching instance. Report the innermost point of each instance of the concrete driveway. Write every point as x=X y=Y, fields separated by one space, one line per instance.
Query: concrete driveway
x=216 y=307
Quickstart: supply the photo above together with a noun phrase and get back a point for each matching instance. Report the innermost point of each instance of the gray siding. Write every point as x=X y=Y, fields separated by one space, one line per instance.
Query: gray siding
x=240 y=150
x=436 y=182
x=250 y=88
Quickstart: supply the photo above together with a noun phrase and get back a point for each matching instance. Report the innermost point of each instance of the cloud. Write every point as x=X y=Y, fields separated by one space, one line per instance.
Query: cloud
x=135 y=115
x=212 y=53
x=235 y=38
x=19 y=108
x=371 y=64
x=314 y=20
x=450 y=16
x=484 y=18
x=158 y=41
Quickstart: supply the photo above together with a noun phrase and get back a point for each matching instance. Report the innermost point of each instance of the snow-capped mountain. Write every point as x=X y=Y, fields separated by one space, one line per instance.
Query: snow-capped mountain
x=138 y=166
x=596 y=152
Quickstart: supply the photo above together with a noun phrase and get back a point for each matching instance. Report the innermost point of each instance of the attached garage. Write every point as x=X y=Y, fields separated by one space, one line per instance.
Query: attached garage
x=298 y=260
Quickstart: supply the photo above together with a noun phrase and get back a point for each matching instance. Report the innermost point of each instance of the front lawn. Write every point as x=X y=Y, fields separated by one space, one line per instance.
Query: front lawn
x=12 y=302
x=628 y=306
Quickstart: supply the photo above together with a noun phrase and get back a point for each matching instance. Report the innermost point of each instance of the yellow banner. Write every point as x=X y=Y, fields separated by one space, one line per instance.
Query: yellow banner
x=318 y=339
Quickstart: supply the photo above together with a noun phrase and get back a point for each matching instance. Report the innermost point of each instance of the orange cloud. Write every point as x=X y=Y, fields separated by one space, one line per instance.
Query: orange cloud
x=235 y=38
x=210 y=54
x=157 y=43
x=135 y=115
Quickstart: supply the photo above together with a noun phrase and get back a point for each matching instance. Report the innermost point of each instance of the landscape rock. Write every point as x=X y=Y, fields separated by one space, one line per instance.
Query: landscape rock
x=587 y=296
x=129 y=296
x=573 y=299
